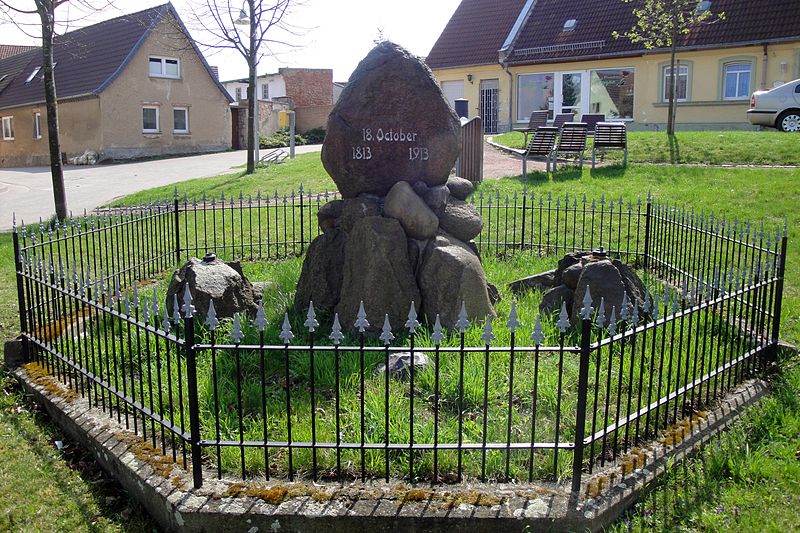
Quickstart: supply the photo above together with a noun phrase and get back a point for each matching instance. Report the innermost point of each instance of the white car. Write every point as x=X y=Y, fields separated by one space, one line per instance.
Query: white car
x=777 y=108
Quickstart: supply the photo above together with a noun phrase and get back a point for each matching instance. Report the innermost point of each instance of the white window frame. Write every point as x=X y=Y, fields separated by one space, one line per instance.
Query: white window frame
x=163 y=71
x=33 y=74
x=8 y=128
x=265 y=91
x=37 y=125
x=158 y=119
x=665 y=89
x=237 y=93
x=748 y=74
x=185 y=110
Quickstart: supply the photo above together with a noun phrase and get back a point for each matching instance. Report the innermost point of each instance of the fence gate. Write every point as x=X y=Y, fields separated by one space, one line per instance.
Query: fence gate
x=489 y=100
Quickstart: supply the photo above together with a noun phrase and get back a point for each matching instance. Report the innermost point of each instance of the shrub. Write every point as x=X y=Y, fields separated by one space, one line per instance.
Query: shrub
x=314 y=136
x=280 y=139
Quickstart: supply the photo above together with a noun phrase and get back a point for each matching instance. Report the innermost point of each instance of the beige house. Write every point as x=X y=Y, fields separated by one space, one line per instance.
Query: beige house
x=133 y=86
x=511 y=57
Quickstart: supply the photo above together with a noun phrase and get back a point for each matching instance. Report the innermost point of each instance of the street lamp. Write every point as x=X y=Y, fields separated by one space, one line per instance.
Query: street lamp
x=244 y=20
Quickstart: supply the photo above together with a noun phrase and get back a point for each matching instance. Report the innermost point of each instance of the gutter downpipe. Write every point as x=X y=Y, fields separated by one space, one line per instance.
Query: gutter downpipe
x=510 y=96
x=764 y=63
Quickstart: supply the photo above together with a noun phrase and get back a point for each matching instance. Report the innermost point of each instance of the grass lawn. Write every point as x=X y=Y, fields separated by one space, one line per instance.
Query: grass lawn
x=761 y=195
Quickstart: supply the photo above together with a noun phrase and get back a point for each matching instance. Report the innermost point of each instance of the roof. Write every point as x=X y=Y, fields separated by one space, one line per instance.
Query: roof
x=541 y=38
x=89 y=59
x=8 y=50
x=475 y=33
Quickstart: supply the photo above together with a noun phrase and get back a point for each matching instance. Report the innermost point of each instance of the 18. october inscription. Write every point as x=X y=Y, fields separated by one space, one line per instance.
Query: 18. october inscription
x=374 y=138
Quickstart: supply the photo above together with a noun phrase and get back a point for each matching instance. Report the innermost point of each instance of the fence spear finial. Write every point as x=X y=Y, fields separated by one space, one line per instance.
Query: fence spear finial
x=211 y=318
x=188 y=308
x=311 y=318
x=236 y=331
x=361 y=322
x=412 y=324
x=386 y=331
x=463 y=320
x=538 y=335
x=261 y=318
x=601 y=313
x=513 y=322
x=336 y=330
x=437 y=336
x=487 y=336
x=587 y=310
x=563 y=318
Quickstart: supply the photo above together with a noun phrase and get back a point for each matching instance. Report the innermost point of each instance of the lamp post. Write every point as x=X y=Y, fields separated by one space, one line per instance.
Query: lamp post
x=252 y=102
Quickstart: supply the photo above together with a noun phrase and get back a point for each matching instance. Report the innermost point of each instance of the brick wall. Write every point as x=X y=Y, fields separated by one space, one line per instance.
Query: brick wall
x=308 y=87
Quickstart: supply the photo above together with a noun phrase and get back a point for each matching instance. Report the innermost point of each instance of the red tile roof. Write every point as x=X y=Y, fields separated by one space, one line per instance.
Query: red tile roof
x=475 y=33
x=8 y=50
x=468 y=40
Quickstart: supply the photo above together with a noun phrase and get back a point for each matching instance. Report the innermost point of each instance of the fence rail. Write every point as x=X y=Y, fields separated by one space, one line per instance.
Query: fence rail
x=298 y=399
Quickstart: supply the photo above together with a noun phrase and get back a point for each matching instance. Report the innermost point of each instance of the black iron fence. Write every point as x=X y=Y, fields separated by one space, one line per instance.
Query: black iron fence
x=283 y=396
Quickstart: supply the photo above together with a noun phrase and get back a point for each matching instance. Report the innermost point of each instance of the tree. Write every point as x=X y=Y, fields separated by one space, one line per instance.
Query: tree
x=661 y=24
x=218 y=20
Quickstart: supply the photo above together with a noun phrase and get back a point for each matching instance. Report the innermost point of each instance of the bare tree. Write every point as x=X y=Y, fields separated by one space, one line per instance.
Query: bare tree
x=45 y=30
x=661 y=24
x=217 y=21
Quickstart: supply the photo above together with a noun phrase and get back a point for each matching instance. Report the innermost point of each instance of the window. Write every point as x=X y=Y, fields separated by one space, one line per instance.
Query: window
x=265 y=91
x=736 y=80
x=682 y=86
x=180 y=119
x=535 y=93
x=8 y=128
x=37 y=125
x=33 y=74
x=238 y=93
x=150 y=119
x=163 y=67
x=611 y=92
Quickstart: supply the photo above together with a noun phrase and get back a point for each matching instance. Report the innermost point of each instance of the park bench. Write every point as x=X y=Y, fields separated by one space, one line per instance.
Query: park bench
x=562 y=118
x=541 y=145
x=591 y=120
x=610 y=136
x=572 y=140
x=536 y=120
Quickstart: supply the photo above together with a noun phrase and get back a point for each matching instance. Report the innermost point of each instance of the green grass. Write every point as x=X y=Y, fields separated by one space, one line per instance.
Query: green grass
x=699 y=147
x=748 y=479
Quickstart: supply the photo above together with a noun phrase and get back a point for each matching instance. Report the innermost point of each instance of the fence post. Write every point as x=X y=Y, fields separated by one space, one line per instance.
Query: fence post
x=177 y=229
x=302 y=226
x=776 y=321
x=23 y=317
x=583 y=393
x=194 y=407
x=647 y=227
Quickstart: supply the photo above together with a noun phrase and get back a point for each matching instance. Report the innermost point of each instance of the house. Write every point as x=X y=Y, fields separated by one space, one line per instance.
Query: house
x=133 y=86
x=306 y=91
x=511 y=57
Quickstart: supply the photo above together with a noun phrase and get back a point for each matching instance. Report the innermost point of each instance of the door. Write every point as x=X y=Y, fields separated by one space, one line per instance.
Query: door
x=569 y=90
x=490 y=90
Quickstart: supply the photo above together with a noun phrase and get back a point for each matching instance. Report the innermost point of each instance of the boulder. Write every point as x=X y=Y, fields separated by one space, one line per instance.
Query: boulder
x=417 y=219
x=391 y=123
x=567 y=261
x=377 y=271
x=552 y=300
x=321 y=277
x=420 y=188
x=540 y=282
x=211 y=279
x=436 y=198
x=354 y=209
x=605 y=282
x=329 y=214
x=461 y=220
x=459 y=187
x=450 y=274
x=571 y=275
x=400 y=364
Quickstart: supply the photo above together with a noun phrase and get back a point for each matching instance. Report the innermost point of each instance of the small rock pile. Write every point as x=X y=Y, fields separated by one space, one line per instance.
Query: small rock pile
x=607 y=278
x=403 y=231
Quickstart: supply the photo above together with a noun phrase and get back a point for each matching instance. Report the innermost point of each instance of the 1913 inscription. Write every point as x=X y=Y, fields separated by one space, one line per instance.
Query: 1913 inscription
x=375 y=137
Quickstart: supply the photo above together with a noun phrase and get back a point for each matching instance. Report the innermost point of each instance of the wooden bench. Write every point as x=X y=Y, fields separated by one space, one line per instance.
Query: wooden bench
x=591 y=120
x=610 y=136
x=572 y=140
x=541 y=145
x=536 y=120
x=562 y=118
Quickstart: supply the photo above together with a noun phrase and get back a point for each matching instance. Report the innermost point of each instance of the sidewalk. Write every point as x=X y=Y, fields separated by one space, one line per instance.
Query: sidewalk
x=28 y=192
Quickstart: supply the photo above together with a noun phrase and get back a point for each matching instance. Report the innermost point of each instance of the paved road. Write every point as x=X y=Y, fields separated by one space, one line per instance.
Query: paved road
x=28 y=192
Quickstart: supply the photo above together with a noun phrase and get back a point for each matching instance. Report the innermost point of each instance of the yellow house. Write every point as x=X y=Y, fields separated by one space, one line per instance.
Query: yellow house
x=133 y=86
x=508 y=58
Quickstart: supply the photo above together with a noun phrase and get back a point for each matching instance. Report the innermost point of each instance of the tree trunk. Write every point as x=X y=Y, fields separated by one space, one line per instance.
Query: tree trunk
x=673 y=82
x=252 y=105
x=56 y=170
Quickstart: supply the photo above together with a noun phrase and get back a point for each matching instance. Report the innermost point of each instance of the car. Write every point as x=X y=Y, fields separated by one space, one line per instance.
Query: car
x=777 y=108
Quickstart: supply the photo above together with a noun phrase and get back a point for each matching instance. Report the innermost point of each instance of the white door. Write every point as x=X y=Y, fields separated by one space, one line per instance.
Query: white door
x=572 y=92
